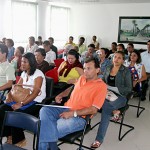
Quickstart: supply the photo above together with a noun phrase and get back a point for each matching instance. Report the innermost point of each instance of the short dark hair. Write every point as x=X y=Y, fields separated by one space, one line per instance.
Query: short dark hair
x=131 y=44
x=51 y=38
x=42 y=51
x=114 y=43
x=32 y=38
x=71 y=37
x=121 y=45
x=21 y=49
x=82 y=38
x=106 y=51
x=74 y=53
x=4 y=49
x=139 y=60
x=40 y=37
x=120 y=52
x=10 y=41
x=91 y=45
x=93 y=59
x=32 y=62
x=46 y=42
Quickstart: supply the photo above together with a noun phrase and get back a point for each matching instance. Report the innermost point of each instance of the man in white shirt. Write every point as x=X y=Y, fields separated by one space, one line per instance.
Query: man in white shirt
x=50 y=55
x=7 y=72
x=31 y=47
x=146 y=62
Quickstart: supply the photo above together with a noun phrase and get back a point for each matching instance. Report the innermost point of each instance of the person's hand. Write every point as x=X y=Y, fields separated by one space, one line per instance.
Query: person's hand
x=58 y=99
x=8 y=100
x=71 y=81
x=16 y=106
x=134 y=83
x=66 y=115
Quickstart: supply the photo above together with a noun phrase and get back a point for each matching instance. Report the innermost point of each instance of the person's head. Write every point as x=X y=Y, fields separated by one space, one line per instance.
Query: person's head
x=135 y=57
x=91 y=68
x=3 y=52
x=39 y=38
x=40 y=55
x=46 y=46
x=51 y=40
x=114 y=46
x=103 y=52
x=31 y=40
x=81 y=40
x=91 y=48
x=72 y=56
x=4 y=40
x=76 y=48
x=68 y=47
x=9 y=43
x=130 y=47
x=94 y=38
x=70 y=39
x=118 y=58
x=148 y=46
x=120 y=47
x=28 y=63
x=19 y=51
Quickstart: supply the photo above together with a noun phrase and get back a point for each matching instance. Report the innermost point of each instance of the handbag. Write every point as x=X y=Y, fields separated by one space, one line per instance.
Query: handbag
x=18 y=93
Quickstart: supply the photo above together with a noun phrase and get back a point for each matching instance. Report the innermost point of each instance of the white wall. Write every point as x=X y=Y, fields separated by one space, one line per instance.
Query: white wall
x=102 y=20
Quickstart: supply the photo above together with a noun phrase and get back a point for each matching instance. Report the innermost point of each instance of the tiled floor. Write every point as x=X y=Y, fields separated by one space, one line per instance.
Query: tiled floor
x=138 y=139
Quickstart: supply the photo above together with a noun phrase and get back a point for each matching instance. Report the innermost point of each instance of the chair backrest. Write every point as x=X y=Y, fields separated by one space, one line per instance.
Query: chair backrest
x=58 y=62
x=24 y=121
x=49 y=86
x=53 y=74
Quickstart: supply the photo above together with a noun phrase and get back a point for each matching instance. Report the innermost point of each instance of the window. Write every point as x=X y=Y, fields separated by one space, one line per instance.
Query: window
x=59 y=24
x=24 y=21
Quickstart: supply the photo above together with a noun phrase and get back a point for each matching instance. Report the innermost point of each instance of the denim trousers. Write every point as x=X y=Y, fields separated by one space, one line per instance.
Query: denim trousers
x=53 y=127
x=107 y=109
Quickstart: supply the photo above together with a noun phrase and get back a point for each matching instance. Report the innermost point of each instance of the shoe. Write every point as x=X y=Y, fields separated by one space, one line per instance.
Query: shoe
x=95 y=144
x=21 y=143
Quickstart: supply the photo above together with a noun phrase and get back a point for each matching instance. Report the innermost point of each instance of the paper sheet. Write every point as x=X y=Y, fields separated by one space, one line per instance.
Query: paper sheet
x=53 y=106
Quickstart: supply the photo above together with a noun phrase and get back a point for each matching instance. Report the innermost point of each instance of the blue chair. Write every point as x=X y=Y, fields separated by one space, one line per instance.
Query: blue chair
x=24 y=121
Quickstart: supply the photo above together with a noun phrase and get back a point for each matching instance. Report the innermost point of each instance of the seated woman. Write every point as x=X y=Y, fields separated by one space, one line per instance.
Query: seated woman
x=117 y=76
x=104 y=62
x=16 y=60
x=138 y=72
x=29 y=76
x=69 y=71
x=41 y=63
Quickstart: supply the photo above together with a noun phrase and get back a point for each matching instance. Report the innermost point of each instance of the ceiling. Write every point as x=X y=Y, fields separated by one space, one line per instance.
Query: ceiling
x=99 y=1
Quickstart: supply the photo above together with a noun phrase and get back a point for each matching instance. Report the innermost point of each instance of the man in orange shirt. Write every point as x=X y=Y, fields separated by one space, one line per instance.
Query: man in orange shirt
x=87 y=98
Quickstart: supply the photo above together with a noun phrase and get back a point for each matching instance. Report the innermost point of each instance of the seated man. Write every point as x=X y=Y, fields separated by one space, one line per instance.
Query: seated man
x=7 y=72
x=58 y=122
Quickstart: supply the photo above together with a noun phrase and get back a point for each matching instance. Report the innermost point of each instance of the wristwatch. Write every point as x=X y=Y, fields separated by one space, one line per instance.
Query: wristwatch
x=22 y=104
x=75 y=114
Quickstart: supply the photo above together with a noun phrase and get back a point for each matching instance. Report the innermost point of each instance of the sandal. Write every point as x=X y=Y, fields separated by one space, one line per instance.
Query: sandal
x=9 y=140
x=116 y=116
x=95 y=144
x=21 y=143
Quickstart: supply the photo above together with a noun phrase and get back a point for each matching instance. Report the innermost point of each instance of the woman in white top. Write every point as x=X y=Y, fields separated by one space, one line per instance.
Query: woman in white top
x=137 y=70
x=29 y=76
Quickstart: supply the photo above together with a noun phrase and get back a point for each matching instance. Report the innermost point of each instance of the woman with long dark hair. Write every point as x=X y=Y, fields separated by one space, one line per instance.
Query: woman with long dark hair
x=35 y=78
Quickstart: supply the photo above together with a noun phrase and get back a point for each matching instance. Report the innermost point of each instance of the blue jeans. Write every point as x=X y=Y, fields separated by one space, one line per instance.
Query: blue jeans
x=107 y=109
x=53 y=127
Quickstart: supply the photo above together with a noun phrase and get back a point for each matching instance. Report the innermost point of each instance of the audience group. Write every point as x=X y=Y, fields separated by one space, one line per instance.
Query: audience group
x=93 y=71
